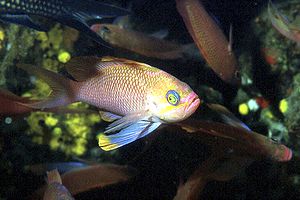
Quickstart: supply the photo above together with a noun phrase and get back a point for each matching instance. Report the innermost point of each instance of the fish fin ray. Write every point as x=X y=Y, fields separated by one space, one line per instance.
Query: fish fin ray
x=63 y=90
x=83 y=67
x=108 y=117
x=81 y=12
x=161 y=34
x=230 y=40
x=228 y=116
x=89 y=10
x=126 y=121
x=127 y=135
x=83 y=27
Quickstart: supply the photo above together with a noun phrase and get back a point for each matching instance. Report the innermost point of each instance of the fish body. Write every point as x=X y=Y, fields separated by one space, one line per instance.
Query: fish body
x=210 y=40
x=282 y=24
x=136 y=96
x=75 y=14
x=139 y=42
x=55 y=189
x=96 y=176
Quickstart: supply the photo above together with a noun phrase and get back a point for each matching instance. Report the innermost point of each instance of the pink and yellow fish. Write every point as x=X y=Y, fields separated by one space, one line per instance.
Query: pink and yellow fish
x=136 y=96
x=282 y=24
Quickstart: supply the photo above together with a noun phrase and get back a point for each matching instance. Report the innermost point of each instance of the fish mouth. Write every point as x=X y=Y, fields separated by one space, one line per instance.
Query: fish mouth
x=193 y=103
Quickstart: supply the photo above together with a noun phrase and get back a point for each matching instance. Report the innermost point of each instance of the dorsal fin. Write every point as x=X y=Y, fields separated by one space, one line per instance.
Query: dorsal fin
x=129 y=62
x=84 y=67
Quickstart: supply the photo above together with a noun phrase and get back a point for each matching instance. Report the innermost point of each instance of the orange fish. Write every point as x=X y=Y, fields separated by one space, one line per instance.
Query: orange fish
x=136 y=96
x=233 y=149
x=210 y=40
x=245 y=142
x=141 y=43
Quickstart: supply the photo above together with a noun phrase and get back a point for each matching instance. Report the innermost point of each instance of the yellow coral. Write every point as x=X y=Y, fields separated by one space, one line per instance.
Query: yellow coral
x=283 y=105
x=2 y=35
x=51 y=121
x=243 y=109
x=42 y=36
x=64 y=56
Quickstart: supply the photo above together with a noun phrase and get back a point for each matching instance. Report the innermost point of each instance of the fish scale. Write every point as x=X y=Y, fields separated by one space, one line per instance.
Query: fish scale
x=76 y=14
x=124 y=86
x=38 y=7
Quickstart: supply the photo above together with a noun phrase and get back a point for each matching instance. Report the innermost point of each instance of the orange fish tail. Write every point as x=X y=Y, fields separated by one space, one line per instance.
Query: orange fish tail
x=63 y=90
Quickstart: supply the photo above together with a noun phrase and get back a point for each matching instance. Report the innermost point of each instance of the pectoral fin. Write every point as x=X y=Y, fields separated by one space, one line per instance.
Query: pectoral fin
x=228 y=117
x=108 y=117
x=126 y=121
x=127 y=135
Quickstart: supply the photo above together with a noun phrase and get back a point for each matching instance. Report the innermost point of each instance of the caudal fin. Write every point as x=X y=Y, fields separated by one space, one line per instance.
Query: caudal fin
x=63 y=89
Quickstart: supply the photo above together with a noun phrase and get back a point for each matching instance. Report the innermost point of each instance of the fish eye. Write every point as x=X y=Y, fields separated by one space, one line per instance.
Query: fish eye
x=105 y=29
x=237 y=75
x=173 y=97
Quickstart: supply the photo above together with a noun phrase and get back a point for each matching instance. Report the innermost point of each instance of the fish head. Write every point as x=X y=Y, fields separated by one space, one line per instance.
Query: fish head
x=172 y=101
x=105 y=31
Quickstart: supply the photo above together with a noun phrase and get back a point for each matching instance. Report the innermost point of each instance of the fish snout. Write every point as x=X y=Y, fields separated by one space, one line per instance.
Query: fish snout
x=193 y=103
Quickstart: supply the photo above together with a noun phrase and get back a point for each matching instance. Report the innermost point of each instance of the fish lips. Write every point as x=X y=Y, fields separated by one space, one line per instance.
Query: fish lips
x=193 y=103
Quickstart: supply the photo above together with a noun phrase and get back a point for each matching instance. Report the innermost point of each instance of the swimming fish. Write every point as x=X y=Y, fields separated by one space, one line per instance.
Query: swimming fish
x=96 y=176
x=245 y=142
x=210 y=39
x=75 y=14
x=55 y=189
x=88 y=178
x=136 y=96
x=282 y=24
x=140 y=43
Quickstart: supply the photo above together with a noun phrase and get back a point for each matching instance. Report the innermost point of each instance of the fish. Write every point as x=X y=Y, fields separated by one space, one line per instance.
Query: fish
x=12 y=105
x=282 y=24
x=55 y=189
x=210 y=39
x=96 y=176
x=75 y=14
x=234 y=147
x=137 y=98
x=245 y=142
x=141 y=43
x=92 y=177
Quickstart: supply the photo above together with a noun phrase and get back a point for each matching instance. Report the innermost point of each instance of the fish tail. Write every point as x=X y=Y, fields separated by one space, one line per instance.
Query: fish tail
x=63 y=90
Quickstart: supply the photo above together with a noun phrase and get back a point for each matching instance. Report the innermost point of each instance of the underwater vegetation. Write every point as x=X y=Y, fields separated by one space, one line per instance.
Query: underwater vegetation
x=184 y=99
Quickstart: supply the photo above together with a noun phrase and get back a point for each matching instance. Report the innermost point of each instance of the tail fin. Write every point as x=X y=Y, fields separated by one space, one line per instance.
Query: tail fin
x=63 y=89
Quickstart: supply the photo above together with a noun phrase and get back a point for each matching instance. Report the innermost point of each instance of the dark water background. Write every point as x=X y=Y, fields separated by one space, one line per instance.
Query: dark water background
x=170 y=156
